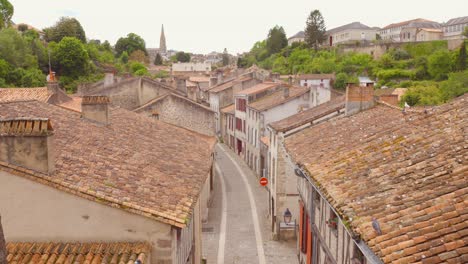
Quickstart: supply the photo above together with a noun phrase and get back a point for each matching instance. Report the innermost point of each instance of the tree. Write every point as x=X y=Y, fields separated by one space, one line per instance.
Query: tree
x=6 y=13
x=158 y=60
x=65 y=27
x=3 y=251
x=71 y=57
x=225 y=57
x=315 y=29
x=276 y=40
x=130 y=44
x=124 y=57
x=461 y=59
x=465 y=32
x=439 y=64
x=182 y=56
x=139 y=56
x=341 y=80
x=15 y=49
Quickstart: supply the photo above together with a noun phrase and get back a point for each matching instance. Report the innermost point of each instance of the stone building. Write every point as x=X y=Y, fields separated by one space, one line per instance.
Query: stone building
x=383 y=185
x=392 y=32
x=421 y=31
x=283 y=192
x=190 y=67
x=454 y=28
x=99 y=177
x=351 y=33
x=182 y=112
x=298 y=37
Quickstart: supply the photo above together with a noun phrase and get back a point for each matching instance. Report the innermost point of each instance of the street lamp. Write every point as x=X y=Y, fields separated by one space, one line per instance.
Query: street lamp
x=287 y=216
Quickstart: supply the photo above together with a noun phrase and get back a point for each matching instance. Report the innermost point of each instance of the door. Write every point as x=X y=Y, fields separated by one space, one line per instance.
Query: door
x=239 y=147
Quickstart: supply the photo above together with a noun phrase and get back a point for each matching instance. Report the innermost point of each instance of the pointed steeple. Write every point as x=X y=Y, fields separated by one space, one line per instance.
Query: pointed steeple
x=162 y=41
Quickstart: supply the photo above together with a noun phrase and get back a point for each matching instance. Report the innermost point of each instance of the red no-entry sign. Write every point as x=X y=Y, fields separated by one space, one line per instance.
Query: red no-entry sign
x=263 y=181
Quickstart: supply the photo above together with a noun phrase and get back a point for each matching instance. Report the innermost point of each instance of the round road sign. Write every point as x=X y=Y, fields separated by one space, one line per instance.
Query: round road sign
x=263 y=181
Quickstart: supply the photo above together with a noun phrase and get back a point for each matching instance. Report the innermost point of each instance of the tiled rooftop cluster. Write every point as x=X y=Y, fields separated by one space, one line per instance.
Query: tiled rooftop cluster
x=409 y=171
x=78 y=253
x=136 y=163
x=17 y=94
x=25 y=126
x=277 y=98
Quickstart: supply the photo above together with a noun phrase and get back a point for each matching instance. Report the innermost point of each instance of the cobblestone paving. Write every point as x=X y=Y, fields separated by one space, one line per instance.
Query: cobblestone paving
x=241 y=245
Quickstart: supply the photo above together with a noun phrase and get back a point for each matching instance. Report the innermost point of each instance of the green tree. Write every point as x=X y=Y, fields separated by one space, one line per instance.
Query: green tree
x=439 y=64
x=341 y=81
x=6 y=13
x=423 y=95
x=456 y=85
x=158 y=60
x=15 y=49
x=4 y=68
x=461 y=59
x=276 y=40
x=124 y=57
x=182 y=56
x=225 y=57
x=33 y=78
x=65 y=27
x=130 y=44
x=465 y=32
x=315 y=29
x=72 y=57
x=139 y=56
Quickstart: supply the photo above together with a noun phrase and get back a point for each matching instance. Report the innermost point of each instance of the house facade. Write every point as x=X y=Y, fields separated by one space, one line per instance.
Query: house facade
x=101 y=176
x=190 y=67
x=374 y=185
x=421 y=31
x=350 y=33
x=454 y=28
x=299 y=37
x=392 y=32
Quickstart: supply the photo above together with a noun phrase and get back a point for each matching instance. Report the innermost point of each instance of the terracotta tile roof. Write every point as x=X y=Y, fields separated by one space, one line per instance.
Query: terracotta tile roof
x=408 y=171
x=55 y=253
x=265 y=141
x=277 y=98
x=74 y=104
x=167 y=96
x=136 y=163
x=198 y=79
x=24 y=94
x=259 y=88
x=221 y=87
x=315 y=76
x=229 y=109
x=309 y=115
x=404 y=23
x=434 y=30
x=191 y=84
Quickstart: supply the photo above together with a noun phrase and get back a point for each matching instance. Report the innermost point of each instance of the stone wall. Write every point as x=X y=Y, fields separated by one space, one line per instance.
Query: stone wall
x=182 y=112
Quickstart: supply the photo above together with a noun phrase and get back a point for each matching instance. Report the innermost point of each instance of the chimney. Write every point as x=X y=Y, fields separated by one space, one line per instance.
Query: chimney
x=108 y=78
x=52 y=87
x=389 y=99
x=290 y=80
x=96 y=108
x=286 y=92
x=28 y=143
x=359 y=98
x=181 y=84
x=213 y=81
x=220 y=77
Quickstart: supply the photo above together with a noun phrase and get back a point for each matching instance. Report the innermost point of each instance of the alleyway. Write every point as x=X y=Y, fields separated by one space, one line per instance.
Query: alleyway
x=238 y=230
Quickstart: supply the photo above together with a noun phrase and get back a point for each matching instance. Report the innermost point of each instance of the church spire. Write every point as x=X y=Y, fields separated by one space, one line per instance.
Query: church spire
x=162 y=41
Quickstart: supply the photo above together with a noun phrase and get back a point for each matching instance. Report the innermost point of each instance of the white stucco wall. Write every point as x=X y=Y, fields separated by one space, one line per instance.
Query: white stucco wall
x=32 y=211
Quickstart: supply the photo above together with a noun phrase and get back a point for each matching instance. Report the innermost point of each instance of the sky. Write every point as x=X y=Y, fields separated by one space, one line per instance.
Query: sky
x=203 y=26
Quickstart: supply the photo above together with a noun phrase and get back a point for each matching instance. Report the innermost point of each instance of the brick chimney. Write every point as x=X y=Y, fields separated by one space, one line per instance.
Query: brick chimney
x=28 y=143
x=286 y=91
x=52 y=87
x=96 y=108
x=359 y=98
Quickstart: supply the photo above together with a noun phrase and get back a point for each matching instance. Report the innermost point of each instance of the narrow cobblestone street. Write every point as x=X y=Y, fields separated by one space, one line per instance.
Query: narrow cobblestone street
x=244 y=240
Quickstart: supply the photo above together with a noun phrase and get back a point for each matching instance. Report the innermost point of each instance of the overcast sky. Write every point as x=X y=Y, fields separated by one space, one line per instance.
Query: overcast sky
x=203 y=26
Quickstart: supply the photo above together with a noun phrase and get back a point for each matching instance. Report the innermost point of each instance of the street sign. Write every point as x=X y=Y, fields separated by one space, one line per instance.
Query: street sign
x=263 y=181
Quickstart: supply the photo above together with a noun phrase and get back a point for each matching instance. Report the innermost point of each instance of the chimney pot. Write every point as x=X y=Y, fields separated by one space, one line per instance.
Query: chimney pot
x=52 y=87
x=286 y=92
x=28 y=142
x=96 y=108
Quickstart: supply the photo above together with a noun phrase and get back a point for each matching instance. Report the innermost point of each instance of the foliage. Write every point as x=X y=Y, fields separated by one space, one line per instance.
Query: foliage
x=276 y=40
x=416 y=50
x=465 y=32
x=72 y=57
x=315 y=29
x=15 y=49
x=439 y=64
x=6 y=13
x=99 y=53
x=4 y=68
x=130 y=44
x=161 y=74
x=158 y=59
x=423 y=95
x=65 y=27
x=139 y=56
x=341 y=80
x=124 y=57
x=461 y=59
x=456 y=85
x=137 y=66
x=182 y=56
x=71 y=84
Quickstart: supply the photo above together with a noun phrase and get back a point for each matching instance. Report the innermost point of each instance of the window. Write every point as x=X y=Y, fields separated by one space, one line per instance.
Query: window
x=241 y=105
x=238 y=124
